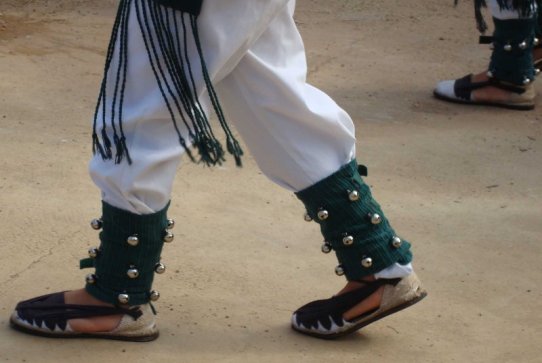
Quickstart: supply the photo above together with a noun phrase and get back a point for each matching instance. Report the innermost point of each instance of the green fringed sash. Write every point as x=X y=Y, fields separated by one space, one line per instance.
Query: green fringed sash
x=347 y=213
x=165 y=37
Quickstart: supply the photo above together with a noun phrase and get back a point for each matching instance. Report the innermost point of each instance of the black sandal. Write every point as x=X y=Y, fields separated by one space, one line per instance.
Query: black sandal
x=48 y=316
x=324 y=318
x=460 y=91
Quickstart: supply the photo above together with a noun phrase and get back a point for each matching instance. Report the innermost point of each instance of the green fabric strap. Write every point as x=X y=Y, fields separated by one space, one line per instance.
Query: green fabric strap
x=372 y=249
x=512 y=58
x=116 y=256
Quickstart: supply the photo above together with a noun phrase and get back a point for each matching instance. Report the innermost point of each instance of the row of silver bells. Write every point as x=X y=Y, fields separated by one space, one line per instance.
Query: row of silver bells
x=97 y=224
x=125 y=298
x=132 y=272
x=396 y=242
x=323 y=214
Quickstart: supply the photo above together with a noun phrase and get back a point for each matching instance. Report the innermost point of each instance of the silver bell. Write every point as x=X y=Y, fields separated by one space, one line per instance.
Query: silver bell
x=526 y=81
x=155 y=295
x=367 y=262
x=160 y=268
x=170 y=224
x=93 y=252
x=326 y=247
x=96 y=224
x=375 y=218
x=132 y=240
x=489 y=74
x=339 y=270
x=522 y=45
x=537 y=71
x=353 y=195
x=90 y=279
x=323 y=214
x=348 y=240
x=492 y=46
x=132 y=272
x=307 y=217
x=168 y=237
x=396 y=242
x=508 y=47
x=123 y=298
x=536 y=41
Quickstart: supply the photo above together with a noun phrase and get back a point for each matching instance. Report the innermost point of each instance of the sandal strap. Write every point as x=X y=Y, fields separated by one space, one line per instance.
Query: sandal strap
x=351 y=298
x=72 y=311
x=506 y=86
x=463 y=87
x=329 y=311
x=52 y=311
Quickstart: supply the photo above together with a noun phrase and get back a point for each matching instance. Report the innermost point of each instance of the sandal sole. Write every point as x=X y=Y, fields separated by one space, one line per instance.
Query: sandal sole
x=145 y=338
x=493 y=104
x=363 y=323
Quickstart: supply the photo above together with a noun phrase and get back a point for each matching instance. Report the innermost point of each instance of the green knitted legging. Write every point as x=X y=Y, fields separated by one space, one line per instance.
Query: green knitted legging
x=353 y=224
x=128 y=256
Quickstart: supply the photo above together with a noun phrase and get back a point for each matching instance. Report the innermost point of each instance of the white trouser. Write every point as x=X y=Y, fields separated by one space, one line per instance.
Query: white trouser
x=505 y=14
x=255 y=56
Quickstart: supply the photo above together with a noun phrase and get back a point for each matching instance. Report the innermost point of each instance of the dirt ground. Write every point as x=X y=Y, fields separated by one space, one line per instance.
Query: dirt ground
x=462 y=183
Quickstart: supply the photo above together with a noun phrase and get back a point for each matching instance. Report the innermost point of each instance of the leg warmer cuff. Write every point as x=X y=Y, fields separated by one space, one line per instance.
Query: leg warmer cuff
x=512 y=58
x=353 y=224
x=128 y=256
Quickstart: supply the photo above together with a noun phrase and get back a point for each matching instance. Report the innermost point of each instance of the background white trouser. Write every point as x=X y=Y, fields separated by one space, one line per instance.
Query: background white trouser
x=255 y=57
x=505 y=14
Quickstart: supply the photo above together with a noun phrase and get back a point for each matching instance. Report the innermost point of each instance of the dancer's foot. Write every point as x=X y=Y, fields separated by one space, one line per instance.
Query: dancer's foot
x=75 y=314
x=357 y=305
x=91 y=324
x=370 y=303
x=479 y=89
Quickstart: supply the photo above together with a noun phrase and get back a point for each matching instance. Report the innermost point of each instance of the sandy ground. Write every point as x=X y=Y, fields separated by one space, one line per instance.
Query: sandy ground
x=462 y=183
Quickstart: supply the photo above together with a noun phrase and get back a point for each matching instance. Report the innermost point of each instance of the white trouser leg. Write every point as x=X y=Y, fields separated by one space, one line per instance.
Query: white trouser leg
x=297 y=134
x=227 y=30
x=506 y=14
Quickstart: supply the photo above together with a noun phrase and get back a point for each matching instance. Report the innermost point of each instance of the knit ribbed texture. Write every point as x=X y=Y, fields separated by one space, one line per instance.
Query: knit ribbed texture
x=116 y=256
x=538 y=28
x=351 y=218
x=512 y=58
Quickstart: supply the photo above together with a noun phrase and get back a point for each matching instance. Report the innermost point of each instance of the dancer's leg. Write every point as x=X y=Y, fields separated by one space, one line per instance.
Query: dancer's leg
x=136 y=195
x=302 y=140
x=508 y=80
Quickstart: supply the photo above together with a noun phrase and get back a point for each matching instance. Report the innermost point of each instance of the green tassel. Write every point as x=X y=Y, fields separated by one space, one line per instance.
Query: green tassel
x=162 y=29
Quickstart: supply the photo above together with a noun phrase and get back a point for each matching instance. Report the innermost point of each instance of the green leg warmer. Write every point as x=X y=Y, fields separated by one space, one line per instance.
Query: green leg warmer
x=538 y=30
x=512 y=58
x=353 y=224
x=128 y=256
